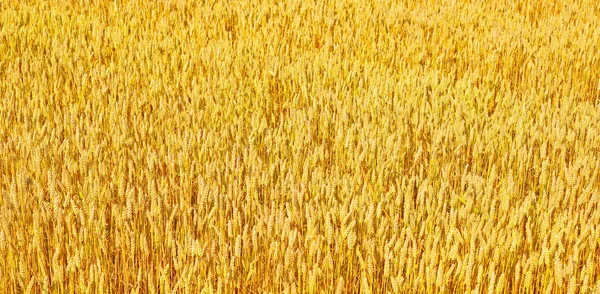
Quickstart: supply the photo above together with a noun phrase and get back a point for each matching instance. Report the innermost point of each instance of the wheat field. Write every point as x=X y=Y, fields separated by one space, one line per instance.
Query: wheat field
x=300 y=146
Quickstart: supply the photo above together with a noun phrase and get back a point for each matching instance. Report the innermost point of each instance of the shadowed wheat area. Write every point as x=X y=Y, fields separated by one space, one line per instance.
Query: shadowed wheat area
x=300 y=146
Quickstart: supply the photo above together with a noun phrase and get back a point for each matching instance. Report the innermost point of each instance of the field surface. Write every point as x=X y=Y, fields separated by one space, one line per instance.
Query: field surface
x=300 y=146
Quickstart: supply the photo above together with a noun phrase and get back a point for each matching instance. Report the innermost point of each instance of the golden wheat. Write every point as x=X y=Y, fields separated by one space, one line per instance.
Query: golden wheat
x=445 y=146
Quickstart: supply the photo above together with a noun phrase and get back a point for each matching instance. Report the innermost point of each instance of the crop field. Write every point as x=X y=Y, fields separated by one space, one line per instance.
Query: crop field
x=300 y=146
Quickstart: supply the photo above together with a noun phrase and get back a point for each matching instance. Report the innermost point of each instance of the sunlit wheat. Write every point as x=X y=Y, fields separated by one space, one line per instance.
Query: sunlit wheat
x=299 y=146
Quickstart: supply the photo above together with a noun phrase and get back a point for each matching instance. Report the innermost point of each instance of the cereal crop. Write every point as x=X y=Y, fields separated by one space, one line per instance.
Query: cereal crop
x=300 y=146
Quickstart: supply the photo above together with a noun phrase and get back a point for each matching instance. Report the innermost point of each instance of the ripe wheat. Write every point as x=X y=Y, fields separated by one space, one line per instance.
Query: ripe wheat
x=299 y=146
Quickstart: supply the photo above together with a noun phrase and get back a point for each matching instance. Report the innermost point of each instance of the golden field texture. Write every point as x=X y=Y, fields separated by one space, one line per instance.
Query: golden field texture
x=300 y=146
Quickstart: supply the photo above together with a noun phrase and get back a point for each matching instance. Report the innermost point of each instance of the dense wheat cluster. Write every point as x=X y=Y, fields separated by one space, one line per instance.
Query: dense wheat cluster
x=300 y=146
